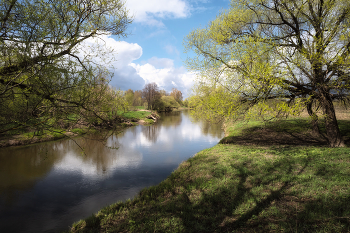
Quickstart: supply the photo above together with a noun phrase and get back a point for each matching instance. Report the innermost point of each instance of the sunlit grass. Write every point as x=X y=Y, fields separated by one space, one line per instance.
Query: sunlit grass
x=244 y=186
x=132 y=108
x=136 y=114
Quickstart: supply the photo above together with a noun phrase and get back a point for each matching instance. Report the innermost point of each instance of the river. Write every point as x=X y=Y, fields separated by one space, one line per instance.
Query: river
x=46 y=187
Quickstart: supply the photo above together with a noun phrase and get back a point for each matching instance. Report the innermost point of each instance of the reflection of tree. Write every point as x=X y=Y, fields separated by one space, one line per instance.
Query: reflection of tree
x=168 y=119
x=22 y=167
x=100 y=155
x=212 y=128
x=151 y=132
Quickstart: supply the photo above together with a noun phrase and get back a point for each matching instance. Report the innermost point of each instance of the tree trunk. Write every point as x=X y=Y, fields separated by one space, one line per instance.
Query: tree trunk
x=314 y=119
x=331 y=123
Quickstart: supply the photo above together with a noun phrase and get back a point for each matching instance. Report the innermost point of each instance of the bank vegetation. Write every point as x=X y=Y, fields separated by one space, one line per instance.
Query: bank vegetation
x=264 y=176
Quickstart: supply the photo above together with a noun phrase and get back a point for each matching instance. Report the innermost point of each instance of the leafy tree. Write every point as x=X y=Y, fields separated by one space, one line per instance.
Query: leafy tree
x=176 y=94
x=163 y=93
x=151 y=93
x=185 y=102
x=296 y=52
x=166 y=103
x=43 y=72
x=138 y=98
x=129 y=95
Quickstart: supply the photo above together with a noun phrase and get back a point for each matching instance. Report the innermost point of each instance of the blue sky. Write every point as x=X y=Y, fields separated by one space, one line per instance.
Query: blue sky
x=153 y=51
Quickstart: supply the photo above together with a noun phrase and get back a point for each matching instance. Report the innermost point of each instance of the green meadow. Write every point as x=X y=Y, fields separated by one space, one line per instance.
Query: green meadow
x=262 y=177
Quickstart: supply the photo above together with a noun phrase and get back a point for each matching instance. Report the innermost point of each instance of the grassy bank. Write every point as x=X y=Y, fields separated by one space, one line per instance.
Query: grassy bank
x=261 y=178
x=130 y=118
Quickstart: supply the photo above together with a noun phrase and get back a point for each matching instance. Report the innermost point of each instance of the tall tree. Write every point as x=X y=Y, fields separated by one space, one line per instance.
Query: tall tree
x=129 y=95
x=42 y=69
x=137 y=98
x=278 y=49
x=163 y=93
x=176 y=94
x=151 y=93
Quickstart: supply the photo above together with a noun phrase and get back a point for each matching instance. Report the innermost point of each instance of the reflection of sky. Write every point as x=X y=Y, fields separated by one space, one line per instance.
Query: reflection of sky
x=139 y=141
x=58 y=184
x=168 y=144
x=139 y=145
x=74 y=163
x=170 y=137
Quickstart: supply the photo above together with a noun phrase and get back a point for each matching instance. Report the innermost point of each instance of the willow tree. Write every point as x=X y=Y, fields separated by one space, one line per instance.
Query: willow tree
x=44 y=71
x=258 y=50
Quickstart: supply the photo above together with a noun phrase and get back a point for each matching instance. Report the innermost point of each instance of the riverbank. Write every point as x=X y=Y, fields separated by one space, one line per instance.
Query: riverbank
x=262 y=177
x=130 y=118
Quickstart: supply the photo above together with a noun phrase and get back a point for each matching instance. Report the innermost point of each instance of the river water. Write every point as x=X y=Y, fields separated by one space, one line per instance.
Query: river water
x=48 y=186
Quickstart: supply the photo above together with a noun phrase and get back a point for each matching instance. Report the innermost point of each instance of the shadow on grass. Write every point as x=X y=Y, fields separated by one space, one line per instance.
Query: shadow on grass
x=237 y=193
x=285 y=132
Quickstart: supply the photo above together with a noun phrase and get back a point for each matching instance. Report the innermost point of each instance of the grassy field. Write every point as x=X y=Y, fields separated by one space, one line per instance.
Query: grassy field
x=262 y=177
x=137 y=108
x=136 y=114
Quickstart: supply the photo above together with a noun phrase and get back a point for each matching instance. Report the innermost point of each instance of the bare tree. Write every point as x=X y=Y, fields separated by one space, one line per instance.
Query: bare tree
x=151 y=93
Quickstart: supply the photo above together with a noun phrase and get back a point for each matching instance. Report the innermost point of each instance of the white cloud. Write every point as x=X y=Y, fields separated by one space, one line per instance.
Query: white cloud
x=127 y=74
x=73 y=162
x=161 y=62
x=166 y=76
x=151 y=12
x=117 y=56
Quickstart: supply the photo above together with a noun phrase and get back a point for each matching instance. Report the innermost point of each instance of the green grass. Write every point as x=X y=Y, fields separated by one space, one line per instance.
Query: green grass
x=243 y=188
x=135 y=114
x=137 y=108
x=79 y=131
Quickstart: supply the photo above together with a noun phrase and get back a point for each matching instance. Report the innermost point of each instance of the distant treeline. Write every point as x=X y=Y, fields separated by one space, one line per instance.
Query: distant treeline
x=154 y=99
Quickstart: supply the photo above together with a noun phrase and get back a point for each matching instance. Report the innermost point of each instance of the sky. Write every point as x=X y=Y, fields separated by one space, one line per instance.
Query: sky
x=153 y=50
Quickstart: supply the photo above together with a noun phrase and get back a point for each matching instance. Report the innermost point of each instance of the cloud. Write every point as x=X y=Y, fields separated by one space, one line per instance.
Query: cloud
x=151 y=12
x=161 y=62
x=117 y=57
x=163 y=72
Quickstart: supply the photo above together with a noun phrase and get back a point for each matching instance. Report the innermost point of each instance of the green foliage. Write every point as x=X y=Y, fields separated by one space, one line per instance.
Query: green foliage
x=136 y=114
x=166 y=102
x=44 y=77
x=292 y=51
x=185 y=103
x=78 y=131
x=241 y=188
x=177 y=95
x=129 y=96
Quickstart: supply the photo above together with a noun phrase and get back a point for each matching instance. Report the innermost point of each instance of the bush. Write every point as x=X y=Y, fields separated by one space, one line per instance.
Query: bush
x=166 y=102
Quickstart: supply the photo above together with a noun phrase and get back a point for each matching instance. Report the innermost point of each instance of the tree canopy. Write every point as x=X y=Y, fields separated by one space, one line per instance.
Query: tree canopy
x=42 y=69
x=151 y=93
x=296 y=52
x=177 y=94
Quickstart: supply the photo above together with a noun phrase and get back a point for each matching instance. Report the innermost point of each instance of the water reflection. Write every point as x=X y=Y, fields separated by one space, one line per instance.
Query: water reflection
x=48 y=186
x=208 y=128
x=151 y=133
x=21 y=168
